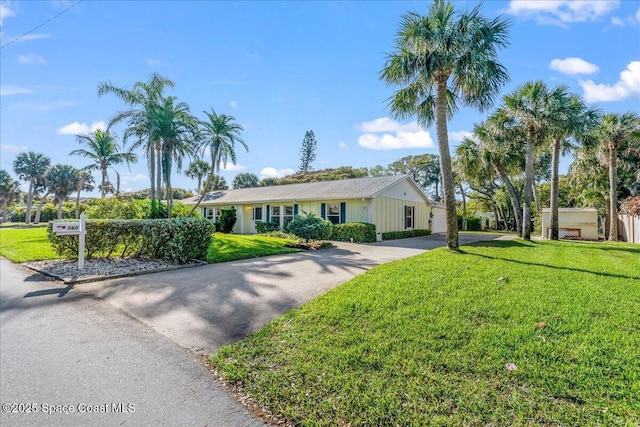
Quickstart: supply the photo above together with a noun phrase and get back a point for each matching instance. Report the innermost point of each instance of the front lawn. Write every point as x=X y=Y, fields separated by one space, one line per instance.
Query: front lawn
x=231 y=247
x=23 y=243
x=500 y=333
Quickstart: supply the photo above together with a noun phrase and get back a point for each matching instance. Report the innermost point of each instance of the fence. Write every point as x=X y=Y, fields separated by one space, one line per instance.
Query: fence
x=629 y=228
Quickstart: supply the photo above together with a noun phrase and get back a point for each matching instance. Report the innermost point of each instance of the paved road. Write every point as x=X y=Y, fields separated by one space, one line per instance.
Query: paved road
x=203 y=308
x=59 y=348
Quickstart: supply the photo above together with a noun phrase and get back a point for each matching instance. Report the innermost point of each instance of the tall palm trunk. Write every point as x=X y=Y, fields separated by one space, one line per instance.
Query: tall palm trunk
x=513 y=196
x=152 y=172
x=445 y=164
x=159 y=173
x=39 y=209
x=553 y=218
x=613 y=197
x=528 y=183
x=464 y=207
x=536 y=197
x=78 y=205
x=59 y=208
x=104 y=181
x=27 y=218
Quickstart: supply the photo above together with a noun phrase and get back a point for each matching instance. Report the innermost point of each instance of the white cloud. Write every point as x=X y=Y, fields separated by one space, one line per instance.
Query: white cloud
x=270 y=172
x=627 y=86
x=157 y=63
x=31 y=58
x=458 y=136
x=561 y=12
x=128 y=178
x=638 y=15
x=8 y=148
x=5 y=11
x=234 y=104
x=385 y=124
x=76 y=128
x=573 y=66
x=231 y=167
x=6 y=90
x=342 y=145
x=617 y=21
x=25 y=38
x=388 y=134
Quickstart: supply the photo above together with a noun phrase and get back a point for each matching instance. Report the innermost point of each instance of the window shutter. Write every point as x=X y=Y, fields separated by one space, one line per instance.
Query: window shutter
x=323 y=210
x=405 y=216
x=268 y=213
x=204 y=213
x=295 y=210
x=343 y=212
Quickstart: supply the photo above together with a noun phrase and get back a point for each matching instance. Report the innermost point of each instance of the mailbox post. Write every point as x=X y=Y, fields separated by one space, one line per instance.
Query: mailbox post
x=72 y=229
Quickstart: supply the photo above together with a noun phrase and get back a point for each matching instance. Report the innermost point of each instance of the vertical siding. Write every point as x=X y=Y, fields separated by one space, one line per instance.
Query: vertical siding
x=389 y=214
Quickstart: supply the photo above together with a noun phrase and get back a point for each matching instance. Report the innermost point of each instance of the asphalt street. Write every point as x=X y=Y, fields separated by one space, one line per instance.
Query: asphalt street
x=73 y=360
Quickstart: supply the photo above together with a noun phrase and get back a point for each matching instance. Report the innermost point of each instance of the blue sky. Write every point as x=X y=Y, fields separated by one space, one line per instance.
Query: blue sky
x=281 y=68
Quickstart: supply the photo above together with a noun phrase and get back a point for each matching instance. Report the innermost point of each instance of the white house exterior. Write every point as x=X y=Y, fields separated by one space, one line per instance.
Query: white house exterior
x=392 y=203
x=573 y=223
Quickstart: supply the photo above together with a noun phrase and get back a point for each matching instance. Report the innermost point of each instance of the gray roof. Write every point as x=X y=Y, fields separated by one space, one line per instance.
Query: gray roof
x=323 y=190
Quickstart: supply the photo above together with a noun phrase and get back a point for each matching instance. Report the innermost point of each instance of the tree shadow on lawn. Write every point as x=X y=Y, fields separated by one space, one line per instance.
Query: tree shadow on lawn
x=579 y=270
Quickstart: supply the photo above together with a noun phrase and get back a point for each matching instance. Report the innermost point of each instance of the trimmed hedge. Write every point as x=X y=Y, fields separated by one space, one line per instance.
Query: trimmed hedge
x=360 y=232
x=178 y=239
x=393 y=235
x=310 y=227
x=267 y=227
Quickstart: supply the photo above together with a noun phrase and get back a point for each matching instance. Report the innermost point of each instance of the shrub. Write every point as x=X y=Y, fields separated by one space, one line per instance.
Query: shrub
x=474 y=224
x=361 y=232
x=267 y=227
x=227 y=219
x=178 y=240
x=310 y=227
x=393 y=235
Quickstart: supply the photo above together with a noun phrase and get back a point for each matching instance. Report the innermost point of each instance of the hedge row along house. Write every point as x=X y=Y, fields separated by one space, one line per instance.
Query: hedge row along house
x=391 y=203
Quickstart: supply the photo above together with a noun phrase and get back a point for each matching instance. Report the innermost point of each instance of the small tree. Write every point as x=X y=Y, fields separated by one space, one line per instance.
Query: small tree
x=268 y=181
x=307 y=152
x=228 y=219
x=310 y=227
x=245 y=180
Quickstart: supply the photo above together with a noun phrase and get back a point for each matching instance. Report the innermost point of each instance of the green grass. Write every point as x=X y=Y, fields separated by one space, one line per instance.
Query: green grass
x=231 y=247
x=426 y=341
x=20 y=243
x=23 y=243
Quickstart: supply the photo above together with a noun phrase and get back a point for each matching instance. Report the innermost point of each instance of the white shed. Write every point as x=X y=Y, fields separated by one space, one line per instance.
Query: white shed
x=573 y=223
x=439 y=220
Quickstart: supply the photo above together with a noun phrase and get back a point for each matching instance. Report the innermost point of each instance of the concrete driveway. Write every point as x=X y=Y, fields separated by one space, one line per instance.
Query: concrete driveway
x=206 y=307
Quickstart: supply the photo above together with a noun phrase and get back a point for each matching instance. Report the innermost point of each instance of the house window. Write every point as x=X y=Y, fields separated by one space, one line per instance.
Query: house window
x=275 y=214
x=257 y=213
x=288 y=215
x=333 y=212
x=409 y=212
x=208 y=213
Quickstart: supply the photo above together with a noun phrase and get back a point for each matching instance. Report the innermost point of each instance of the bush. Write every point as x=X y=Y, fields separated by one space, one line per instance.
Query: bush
x=393 y=235
x=179 y=240
x=227 y=219
x=361 y=232
x=474 y=224
x=310 y=227
x=267 y=227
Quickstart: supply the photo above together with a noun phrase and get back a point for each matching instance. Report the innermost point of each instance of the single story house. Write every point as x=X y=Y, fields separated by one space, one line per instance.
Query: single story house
x=392 y=203
x=573 y=223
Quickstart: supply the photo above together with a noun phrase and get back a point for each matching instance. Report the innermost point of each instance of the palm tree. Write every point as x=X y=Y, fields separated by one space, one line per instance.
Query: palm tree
x=85 y=183
x=144 y=97
x=62 y=180
x=103 y=152
x=615 y=133
x=175 y=129
x=442 y=60
x=31 y=167
x=9 y=192
x=531 y=108
x=572 y=119
x=219 y=134
x=198 y=169
x=245 y=180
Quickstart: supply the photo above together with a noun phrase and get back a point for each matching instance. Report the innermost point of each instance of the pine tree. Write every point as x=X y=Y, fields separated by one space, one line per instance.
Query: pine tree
x=307 y=152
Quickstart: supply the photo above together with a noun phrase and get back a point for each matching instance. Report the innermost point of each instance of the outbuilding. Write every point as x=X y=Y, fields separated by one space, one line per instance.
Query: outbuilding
x=573 y=223
x=391 y=203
